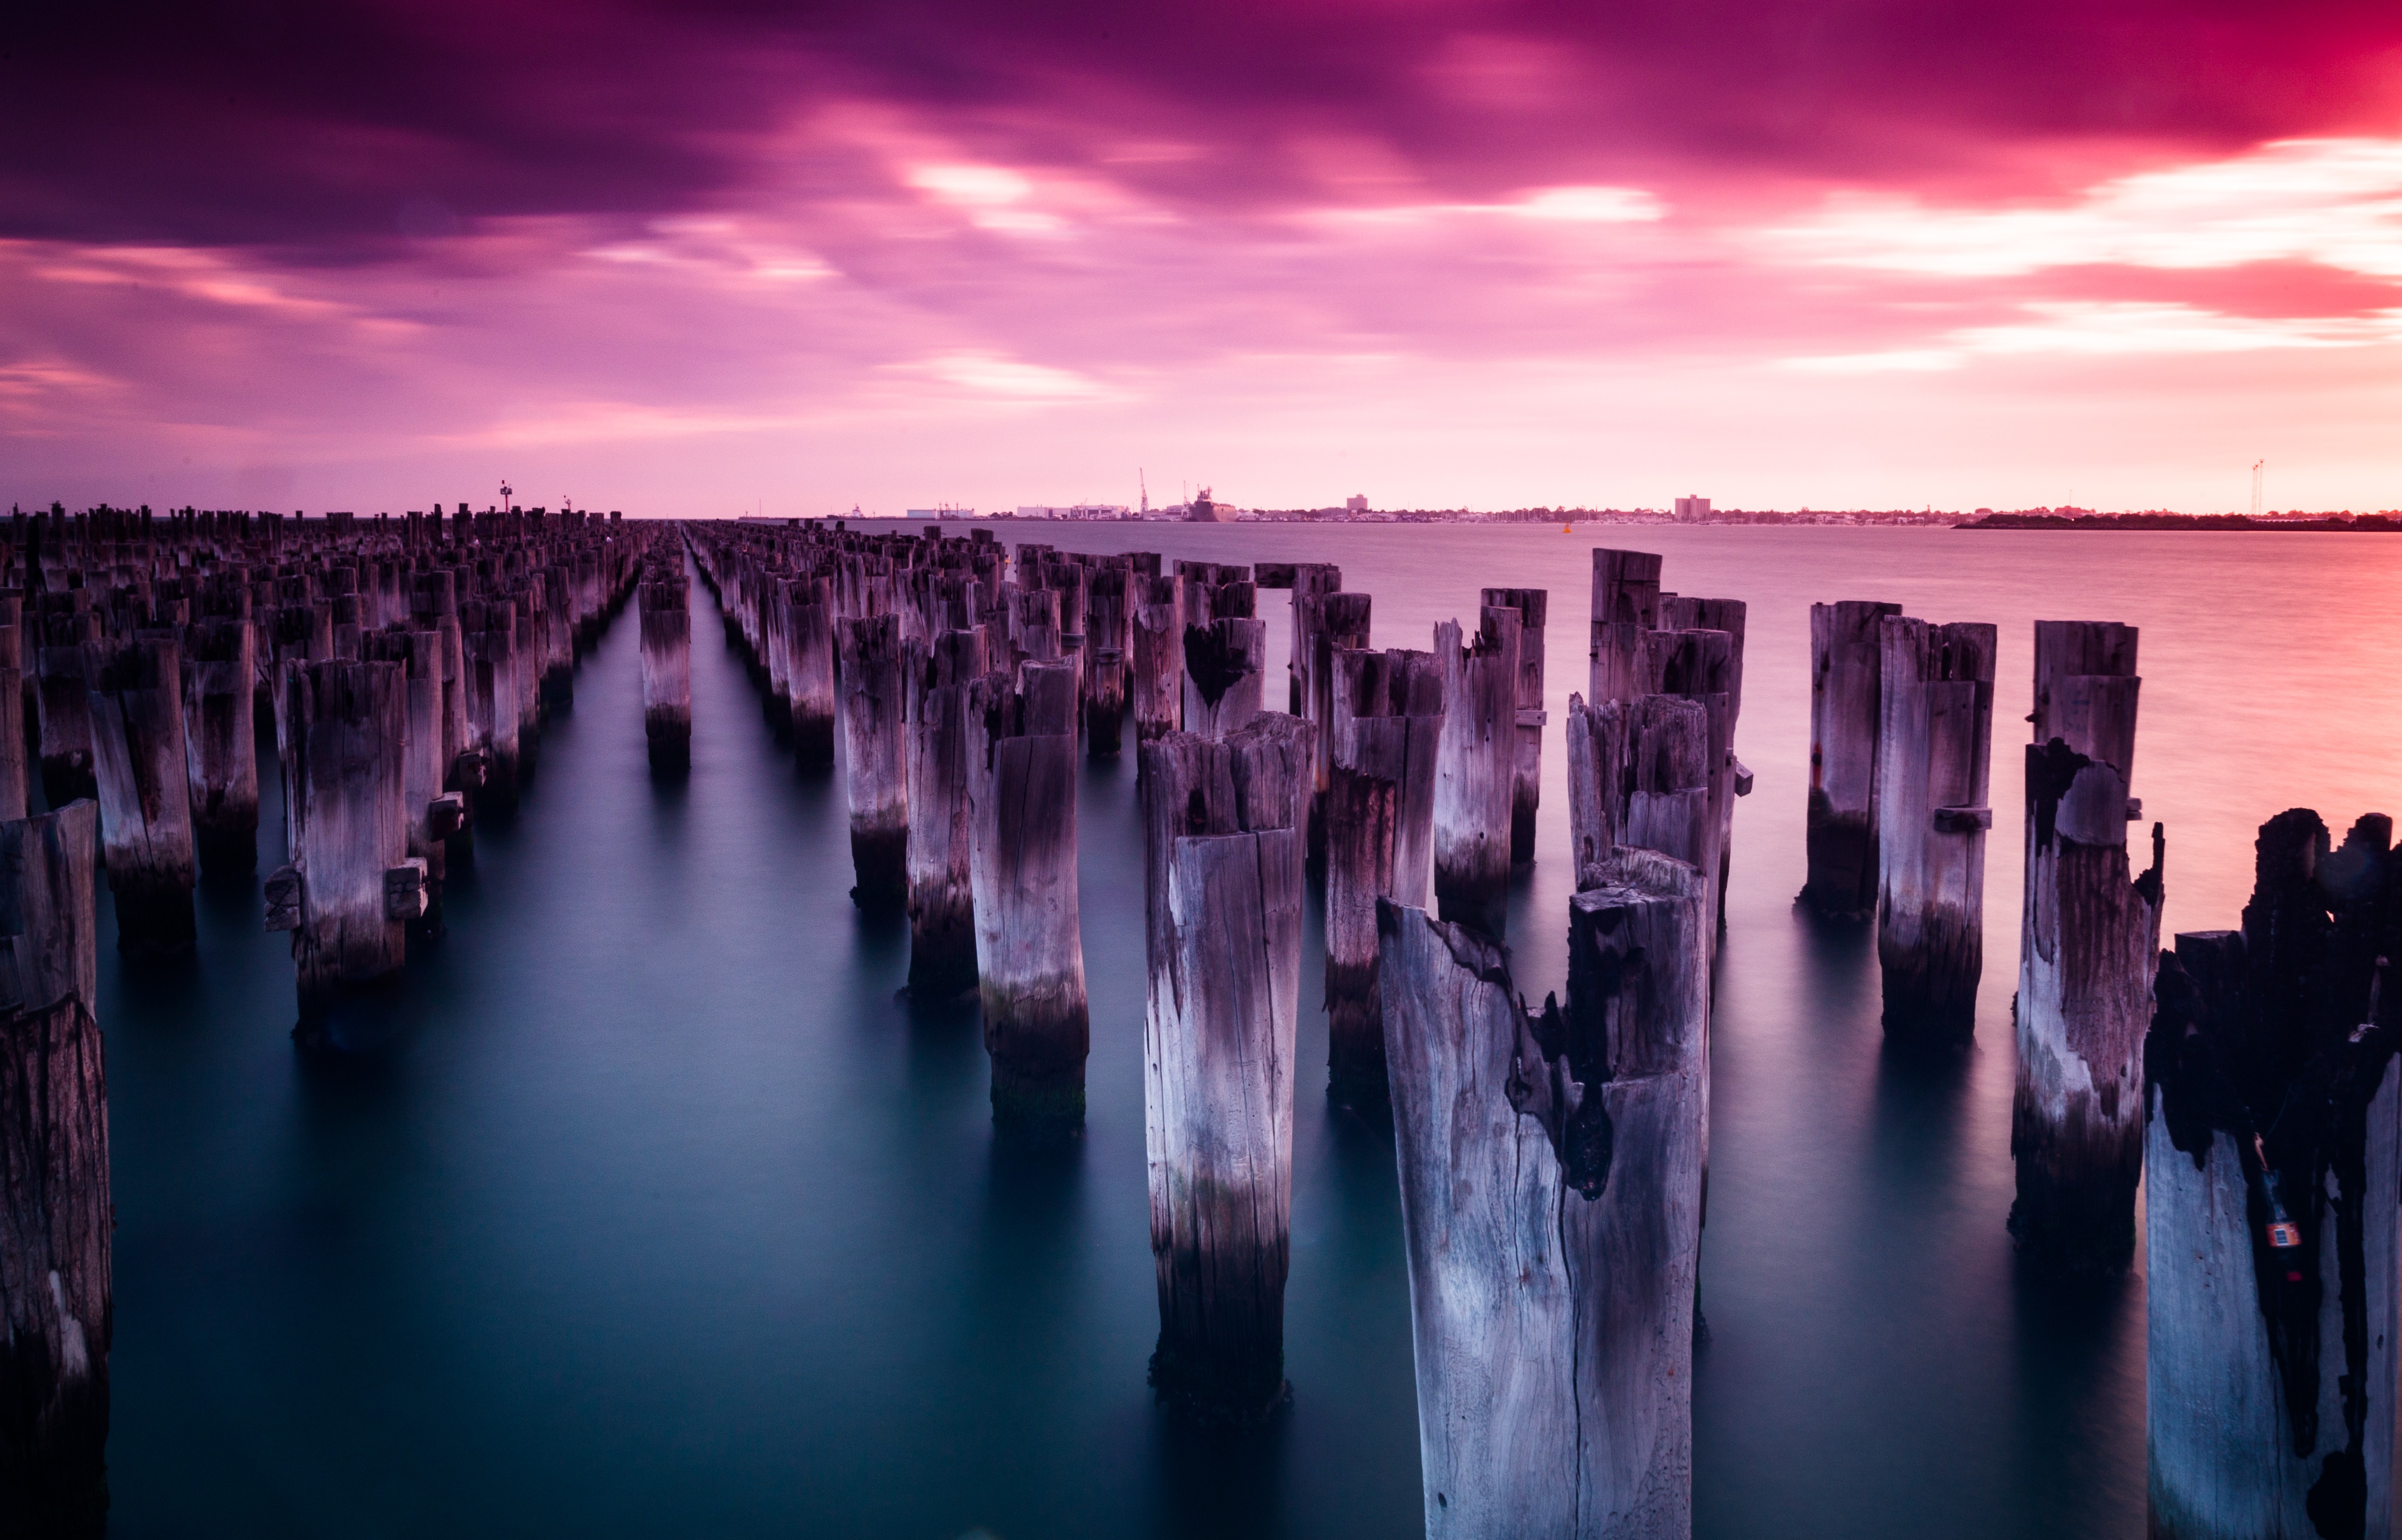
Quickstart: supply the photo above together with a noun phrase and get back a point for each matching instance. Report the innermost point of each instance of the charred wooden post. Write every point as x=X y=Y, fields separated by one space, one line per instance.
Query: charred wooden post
x=1526 y=776
x=1845 y=714
x=1225 y=675
x=1029 y=947
x=1551 y=1177
x=1934 y=762
x=352 y=886
x=1475 y=769
x=1383 y=733
x=63 y=695
x=942 y=821
x=2273 y=1134
x=1626 y=609
x=875 y=720
x=666 y=668
x=145 y=802
x=219 y=718
x=55 y=1213
x=1224 y=863
x=1158 y=682
x=809 y=623
x=2089 y=940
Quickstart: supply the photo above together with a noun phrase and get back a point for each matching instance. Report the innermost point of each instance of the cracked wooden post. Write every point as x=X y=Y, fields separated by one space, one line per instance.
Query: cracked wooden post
x=1225 y=675
x=1626 y=608
x=2272 y=1133
x=1029 y=949
x=1383 y=733
x=219 y=718
x=1845 y=715
x=1224 y=858
x=1551 y=1178
x=942 y=823
x=1526 y=774
x=56 y=1216
x=1934 y=763
x=1475 y=769
x=666 y=617
x=1158 y=681
x=875 y=711
x=352 y=886
x=2089 y=939
x=142 y=765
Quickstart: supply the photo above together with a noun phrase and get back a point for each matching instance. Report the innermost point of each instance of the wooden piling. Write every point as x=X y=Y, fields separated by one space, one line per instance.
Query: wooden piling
x=2272 y=1135
x=942 y=821
x=2089 y=940
x=1158 y=679
x=142 y=765
x=1626 y=607
x=56 y=1216
x=219 y=719
x=1550 y=1177
x=874 y=720
x=1383 y=733
x=1475 y=770
x=809 y=622
x=1223 y=865
x=1030 y=952
x=351 y=887
x=1933 y=764
x=63 y=695
x=1527 y=773
x=1225 y=675
x=1845 y=715
x=666 y=614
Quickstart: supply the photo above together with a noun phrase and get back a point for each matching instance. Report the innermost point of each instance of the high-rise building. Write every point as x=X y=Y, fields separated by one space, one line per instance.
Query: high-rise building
x=1357 y=503
x=1693 y=507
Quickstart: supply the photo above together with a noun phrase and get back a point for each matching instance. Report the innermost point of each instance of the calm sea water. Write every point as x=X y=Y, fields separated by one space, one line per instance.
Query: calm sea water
x=658 y=1214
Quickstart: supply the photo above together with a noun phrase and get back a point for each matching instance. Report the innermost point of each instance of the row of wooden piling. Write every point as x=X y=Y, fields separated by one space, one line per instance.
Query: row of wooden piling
x=1550 y=1162
x=405 y=668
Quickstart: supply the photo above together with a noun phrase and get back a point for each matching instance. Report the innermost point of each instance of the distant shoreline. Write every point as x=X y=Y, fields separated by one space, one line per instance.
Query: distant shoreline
x=2363 y=524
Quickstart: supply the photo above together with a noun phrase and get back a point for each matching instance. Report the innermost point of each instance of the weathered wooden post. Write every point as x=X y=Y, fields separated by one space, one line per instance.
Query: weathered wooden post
x=1475 y=769
x=2089 y=940
x=666 y=617
x=55 y=1213
x=1845 y=714
x=1108 y=646
x=1626 y=609
x=1527 y=774
x=1223 y=861
x=1158 y=658
x=1029 y=949
x=142 y=763
x=1933 y=764
x=808 y=620
x=488 y=639
x=1551 y=1177
x=1383 y=732
x=2273 y=1131
x=63 y=696
x=942 y=819
x=220 y=671
x=1225 y=675
x=875 y=720
x=352 y=886
x=1600 y=750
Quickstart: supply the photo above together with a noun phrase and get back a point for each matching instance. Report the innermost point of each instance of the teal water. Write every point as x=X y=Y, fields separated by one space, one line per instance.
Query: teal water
x=658 y=1214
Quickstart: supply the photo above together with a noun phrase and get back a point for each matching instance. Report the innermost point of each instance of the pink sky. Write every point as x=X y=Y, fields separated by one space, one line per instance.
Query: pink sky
x=693 y=259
